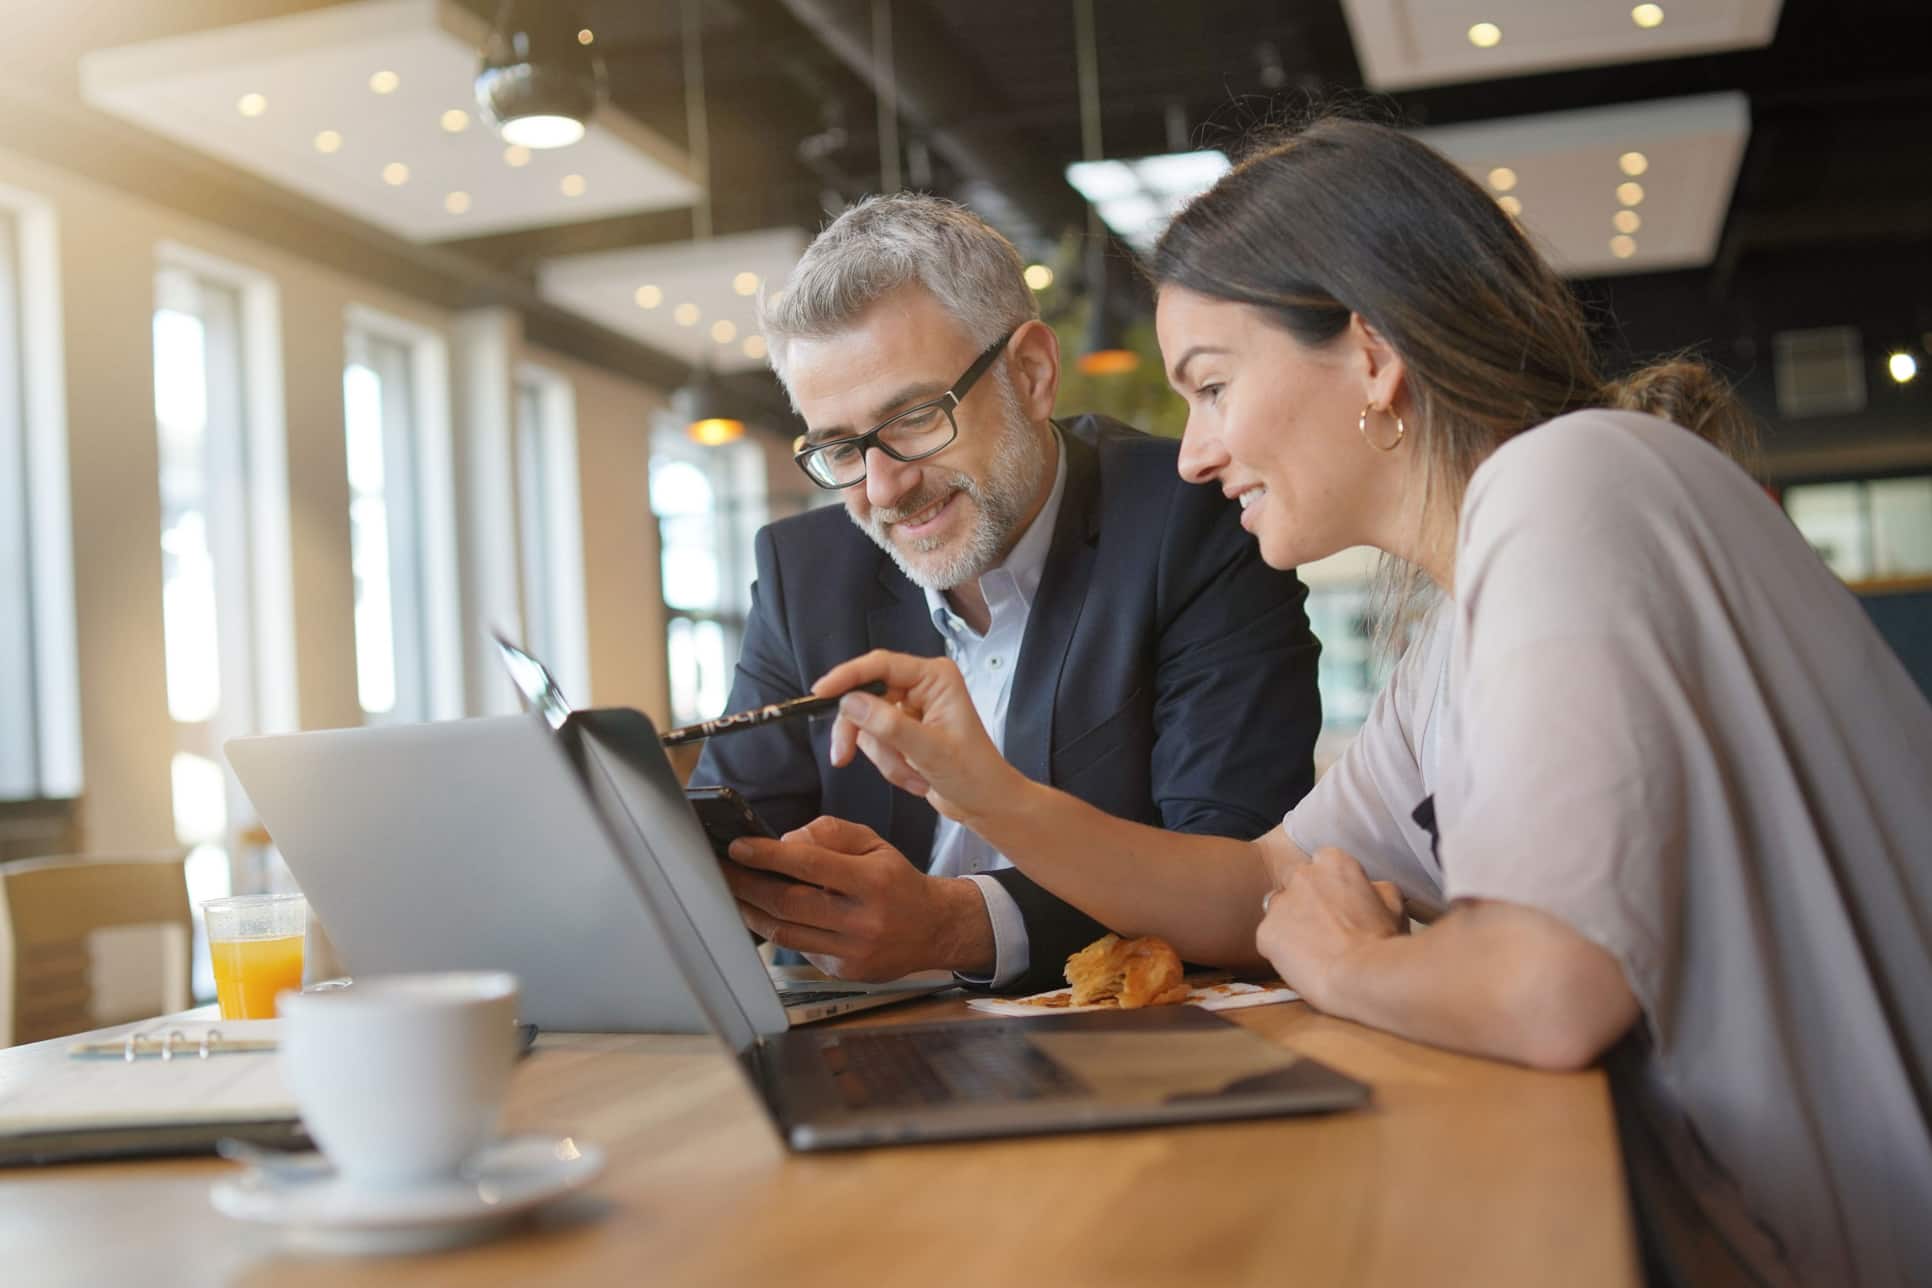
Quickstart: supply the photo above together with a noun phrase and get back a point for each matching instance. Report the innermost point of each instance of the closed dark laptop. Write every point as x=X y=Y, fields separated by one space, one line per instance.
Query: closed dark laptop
x=830 y=1088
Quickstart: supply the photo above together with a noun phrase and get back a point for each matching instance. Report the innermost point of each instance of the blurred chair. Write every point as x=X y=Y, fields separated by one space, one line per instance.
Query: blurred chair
x=48 y=909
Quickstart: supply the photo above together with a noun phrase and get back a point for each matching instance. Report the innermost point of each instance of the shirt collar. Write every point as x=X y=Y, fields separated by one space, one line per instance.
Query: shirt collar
x=1015 y=580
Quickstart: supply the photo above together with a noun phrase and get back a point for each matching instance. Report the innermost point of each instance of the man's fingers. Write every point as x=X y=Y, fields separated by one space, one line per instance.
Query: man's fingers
x=797 y=859
x=805 y=939
x=842 y=834
x=793 y=901
x=900 y=671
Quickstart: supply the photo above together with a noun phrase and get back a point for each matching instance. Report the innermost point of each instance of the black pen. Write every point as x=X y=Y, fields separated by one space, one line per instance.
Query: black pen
x=807 y=706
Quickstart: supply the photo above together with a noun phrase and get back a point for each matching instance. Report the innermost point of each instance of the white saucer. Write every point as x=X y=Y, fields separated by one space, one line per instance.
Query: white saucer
x=320 y=1211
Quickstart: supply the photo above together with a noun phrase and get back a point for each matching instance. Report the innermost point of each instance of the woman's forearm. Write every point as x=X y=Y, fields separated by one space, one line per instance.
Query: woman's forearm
x=1492 y=979
x=1200 y=893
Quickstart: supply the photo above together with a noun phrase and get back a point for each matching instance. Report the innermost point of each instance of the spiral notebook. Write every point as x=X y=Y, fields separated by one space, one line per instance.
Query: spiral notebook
x=172 y=1088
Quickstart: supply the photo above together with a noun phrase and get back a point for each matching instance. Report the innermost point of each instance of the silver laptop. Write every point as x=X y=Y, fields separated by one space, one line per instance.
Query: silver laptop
x=466 y=844
x=834 y=1088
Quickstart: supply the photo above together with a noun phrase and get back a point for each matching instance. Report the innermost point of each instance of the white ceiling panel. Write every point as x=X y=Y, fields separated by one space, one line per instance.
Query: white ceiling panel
x=1569 y=173
x=1402 y=44
x=695 y=300
x=296 y=100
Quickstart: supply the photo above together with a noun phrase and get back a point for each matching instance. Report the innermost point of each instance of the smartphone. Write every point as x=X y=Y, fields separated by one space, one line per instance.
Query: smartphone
x=726 y=816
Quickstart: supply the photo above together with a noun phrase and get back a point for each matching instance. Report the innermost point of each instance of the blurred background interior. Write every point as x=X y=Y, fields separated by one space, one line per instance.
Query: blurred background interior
x=311 y=365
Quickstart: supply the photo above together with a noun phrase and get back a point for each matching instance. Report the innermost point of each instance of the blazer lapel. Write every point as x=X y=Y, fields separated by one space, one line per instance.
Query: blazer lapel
x=1056 y=611
x=900 y=620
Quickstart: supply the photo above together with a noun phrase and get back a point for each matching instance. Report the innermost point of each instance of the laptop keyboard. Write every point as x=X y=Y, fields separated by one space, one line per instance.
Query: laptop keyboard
x=807 y=996
x=897 y=1070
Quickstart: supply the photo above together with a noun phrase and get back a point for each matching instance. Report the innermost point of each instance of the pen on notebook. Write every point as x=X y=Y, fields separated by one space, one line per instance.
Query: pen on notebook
x=806 y=706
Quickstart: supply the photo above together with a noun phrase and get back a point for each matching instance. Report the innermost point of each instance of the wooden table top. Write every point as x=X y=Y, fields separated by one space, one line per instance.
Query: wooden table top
x=1462 y=1171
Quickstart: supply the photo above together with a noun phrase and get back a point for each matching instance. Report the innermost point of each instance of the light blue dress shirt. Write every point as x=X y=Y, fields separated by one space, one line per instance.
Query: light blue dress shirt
x=987 y=661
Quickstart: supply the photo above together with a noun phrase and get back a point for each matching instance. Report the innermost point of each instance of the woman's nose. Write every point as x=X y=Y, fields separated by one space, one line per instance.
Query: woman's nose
x=1202 y=455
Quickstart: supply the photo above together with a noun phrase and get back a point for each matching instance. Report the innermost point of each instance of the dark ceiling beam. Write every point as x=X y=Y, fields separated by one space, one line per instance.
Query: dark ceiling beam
x=941 y=94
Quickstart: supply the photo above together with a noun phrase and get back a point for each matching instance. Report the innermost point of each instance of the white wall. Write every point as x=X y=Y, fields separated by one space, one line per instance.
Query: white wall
x=108 y=258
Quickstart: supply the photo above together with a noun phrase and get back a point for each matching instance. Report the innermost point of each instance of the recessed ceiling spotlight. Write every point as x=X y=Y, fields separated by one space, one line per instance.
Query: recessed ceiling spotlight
x=648 y=296
x=328 y=141
x=1627 y=221
x=1623 y=247
x=1485 y=35
x=572 y=185
x=384 y=82
x=1630 y=194
x=723 y=332
x=586 y=36
x=456 y=202
x=1902 y=367
x=395 y=174
x=1648 y=16
x=745 y=283
x=1038 y=276
x=753 y=348
x=1512 y=206
x=251 y=105
x=685 y=314
x=516 y=155
x=1502 y=178
x=1633 y=163
x=455 y=121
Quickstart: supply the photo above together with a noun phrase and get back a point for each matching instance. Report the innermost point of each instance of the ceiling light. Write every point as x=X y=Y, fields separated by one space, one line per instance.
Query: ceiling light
x=1627 y=221
x=328 y=141
x=516 y=155
x=1485 y=35
x=1137 y=198
x=745 y=283
x=455 y=121
x=1502 y=178
x=1038 y=276
x=395 y=174
x=539 y=82
x=1630 y=194
x=716 y=431
x=456 y=202
x=1633 y=163
x=723 y=331
x=648 y=297
x=1902 y=367
x=384 y=82
x=586 y=36
x=704 y=408
x=572 y=185
x=753 y=348
x=1623 y=247
x=1511 y=206
x=1648 y=16
x=251 y=105
x=685 y=314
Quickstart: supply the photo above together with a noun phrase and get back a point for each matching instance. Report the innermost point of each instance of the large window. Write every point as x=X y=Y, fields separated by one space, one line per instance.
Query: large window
x=1868 y=530
x=408 y=663
x=709 y=503
x=39 y=688
x=550 y=536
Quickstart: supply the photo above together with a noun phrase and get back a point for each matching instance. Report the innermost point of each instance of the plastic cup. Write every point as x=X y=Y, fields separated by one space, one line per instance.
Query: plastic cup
x=255 y=947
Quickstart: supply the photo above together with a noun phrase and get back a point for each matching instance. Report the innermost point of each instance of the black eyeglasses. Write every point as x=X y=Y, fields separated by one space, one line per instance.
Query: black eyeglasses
x=912 y=435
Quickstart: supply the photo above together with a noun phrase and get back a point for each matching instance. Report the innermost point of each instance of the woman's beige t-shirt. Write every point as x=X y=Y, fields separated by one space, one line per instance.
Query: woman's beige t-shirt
x=1665 y=722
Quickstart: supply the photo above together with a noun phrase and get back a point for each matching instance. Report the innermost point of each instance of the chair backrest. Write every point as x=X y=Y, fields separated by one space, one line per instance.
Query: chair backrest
x=49 y=907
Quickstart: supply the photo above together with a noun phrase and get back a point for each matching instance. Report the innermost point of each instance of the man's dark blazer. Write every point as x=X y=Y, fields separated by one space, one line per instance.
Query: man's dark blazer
x=1167 y=675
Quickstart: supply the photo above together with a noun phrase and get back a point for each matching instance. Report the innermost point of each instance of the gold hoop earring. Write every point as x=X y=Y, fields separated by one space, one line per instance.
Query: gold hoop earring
x=1401 y=430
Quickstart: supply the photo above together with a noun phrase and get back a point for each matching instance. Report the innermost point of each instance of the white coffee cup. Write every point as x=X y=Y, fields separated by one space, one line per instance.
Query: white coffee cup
x=401 y=1078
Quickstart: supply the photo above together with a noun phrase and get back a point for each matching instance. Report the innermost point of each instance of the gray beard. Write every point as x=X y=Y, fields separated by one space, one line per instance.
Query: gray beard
x=1001 y=503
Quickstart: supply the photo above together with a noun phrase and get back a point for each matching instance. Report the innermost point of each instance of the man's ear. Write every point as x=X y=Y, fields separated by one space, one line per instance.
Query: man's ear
x=1034 y=353
x=1384 y=374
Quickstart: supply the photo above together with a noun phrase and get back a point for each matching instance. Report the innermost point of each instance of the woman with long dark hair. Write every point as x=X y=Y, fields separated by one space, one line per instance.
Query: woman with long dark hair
x=1664 y=781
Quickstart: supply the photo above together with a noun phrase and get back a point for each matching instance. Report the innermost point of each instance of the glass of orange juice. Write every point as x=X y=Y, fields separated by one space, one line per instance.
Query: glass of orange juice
x=255 y=946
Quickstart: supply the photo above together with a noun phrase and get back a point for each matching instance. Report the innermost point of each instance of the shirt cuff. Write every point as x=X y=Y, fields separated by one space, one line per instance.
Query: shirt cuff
x=1012 y=953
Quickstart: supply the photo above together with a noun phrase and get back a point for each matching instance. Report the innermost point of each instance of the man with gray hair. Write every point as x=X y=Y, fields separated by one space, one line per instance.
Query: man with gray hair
x=1115 y=626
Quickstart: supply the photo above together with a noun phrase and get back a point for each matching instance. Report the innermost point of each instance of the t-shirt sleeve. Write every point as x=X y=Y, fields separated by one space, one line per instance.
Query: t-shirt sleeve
x=1365 y=803
x=1578 y=717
